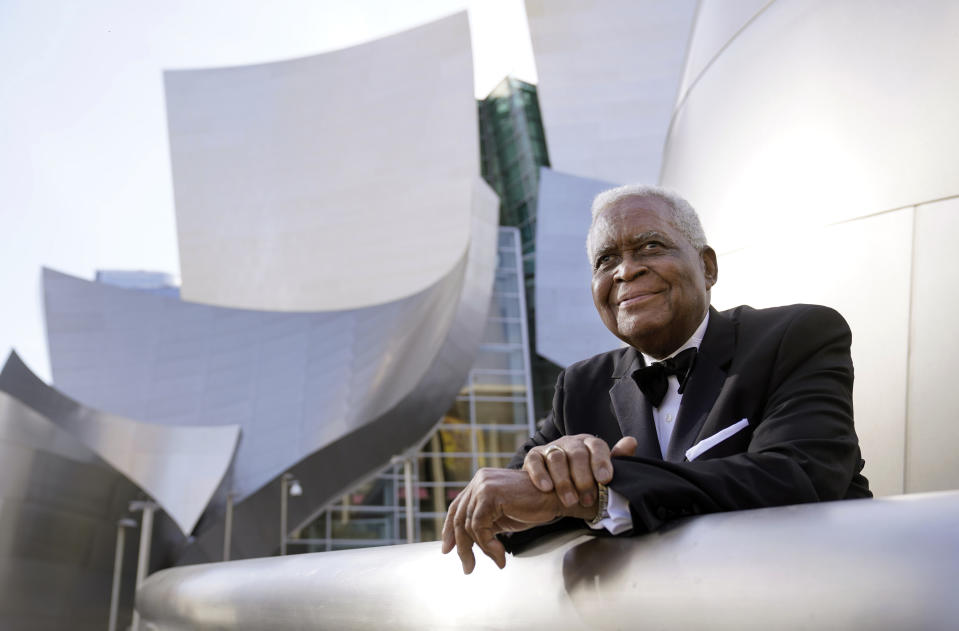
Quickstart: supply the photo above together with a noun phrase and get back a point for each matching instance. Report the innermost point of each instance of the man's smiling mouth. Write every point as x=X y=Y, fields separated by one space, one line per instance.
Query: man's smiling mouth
x=637 y=298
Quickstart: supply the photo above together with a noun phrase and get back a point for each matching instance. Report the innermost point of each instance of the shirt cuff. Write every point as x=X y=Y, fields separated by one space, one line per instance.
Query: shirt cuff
x=618 y=519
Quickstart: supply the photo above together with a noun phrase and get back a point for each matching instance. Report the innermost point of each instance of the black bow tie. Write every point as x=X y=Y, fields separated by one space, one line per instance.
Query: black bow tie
x=653 y=379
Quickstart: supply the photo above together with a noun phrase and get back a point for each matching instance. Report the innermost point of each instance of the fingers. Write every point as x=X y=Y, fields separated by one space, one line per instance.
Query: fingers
x=464 y=542
x=601 y=468
x=480 y=528
x=449 y=539
x=455 y=534
x=471 y=519
x=557 y=464
x=579 y=456
x=625 y=446
x=535 y=466
x=572 y=466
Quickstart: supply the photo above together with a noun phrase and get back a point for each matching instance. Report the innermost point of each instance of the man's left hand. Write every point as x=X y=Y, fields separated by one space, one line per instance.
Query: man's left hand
x=572 y=465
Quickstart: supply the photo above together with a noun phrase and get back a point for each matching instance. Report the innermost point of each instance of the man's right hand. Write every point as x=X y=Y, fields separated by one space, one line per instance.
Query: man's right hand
x=572 y=465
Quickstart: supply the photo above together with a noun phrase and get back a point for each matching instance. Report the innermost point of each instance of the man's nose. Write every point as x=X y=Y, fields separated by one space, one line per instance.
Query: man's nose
x=629 y=268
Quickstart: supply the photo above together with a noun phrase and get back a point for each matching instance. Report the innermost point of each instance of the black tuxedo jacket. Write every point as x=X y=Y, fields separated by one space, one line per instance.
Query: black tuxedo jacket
x=786 y=370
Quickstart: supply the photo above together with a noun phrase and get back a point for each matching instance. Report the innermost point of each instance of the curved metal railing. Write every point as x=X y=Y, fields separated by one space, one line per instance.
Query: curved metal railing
x=890 y=563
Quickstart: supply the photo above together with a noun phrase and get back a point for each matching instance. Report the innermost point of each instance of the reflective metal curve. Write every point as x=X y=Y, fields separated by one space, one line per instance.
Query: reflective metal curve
x=59 y=506
x=862 y=564
x=181 y=467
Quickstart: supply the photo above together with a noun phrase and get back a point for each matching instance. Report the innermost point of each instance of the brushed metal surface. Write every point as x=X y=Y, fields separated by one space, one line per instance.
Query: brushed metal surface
x=864 y=564
x=817 y=139
x=59 y=505
x=181 y=467
x=354 y=454
x=330 y=396
x=608 y=72
x=329 y=182
x=349 y=223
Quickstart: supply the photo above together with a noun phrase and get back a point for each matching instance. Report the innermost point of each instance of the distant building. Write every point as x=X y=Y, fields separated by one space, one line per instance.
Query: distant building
x=159 y=283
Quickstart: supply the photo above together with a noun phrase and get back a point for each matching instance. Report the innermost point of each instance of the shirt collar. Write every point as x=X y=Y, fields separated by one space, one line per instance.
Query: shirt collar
x=693 y=342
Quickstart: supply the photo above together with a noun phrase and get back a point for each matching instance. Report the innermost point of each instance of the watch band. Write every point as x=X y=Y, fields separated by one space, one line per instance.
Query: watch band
x=602 y=505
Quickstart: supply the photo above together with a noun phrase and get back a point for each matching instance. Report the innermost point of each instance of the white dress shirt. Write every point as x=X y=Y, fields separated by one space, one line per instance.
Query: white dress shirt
x=664 y=417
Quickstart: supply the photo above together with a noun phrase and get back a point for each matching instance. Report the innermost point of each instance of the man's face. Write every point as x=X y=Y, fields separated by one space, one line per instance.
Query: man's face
x=650 y=285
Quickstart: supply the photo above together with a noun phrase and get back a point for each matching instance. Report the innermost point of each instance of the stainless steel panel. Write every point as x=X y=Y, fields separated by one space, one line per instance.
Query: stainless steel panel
x=181 y=467
x=346 y=460
x=608 y=72
x=329 y=182
x=59 y=504
x=810 y=136
x=861 y=564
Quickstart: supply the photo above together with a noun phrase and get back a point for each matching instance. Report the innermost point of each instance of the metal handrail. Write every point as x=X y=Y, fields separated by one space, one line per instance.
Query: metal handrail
x=890 y=563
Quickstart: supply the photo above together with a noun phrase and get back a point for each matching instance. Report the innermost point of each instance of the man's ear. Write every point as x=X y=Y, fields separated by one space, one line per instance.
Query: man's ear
x=710 y=266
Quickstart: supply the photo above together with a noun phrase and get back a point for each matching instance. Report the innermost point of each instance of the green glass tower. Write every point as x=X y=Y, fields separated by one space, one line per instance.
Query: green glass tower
x=513 y=147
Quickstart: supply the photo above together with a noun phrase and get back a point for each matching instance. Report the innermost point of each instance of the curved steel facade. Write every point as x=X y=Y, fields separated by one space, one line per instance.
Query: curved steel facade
x=608 y=75
x=818 y=140
x=180 y=467
x=59 y=506
x=330 y=216
x=342 y=462
x=296 y=383
x=308 y=184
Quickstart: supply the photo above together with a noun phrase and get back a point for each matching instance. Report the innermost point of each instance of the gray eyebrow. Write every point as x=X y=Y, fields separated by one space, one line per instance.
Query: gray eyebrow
x=650 y=234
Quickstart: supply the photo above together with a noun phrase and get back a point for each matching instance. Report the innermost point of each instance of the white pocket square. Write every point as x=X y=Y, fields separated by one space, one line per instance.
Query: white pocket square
x=708 y=443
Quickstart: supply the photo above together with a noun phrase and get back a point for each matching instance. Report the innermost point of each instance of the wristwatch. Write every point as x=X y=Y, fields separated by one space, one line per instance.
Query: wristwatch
x=602 y=505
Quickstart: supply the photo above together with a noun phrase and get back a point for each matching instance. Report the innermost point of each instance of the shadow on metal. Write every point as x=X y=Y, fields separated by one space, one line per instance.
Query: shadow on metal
x=863 y=564
x=59 y=506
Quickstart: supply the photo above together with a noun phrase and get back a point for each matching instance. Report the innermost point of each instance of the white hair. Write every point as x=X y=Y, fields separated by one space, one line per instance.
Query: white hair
x=682 y=214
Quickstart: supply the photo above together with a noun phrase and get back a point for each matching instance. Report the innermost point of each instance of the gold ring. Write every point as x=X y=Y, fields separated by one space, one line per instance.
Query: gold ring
x=550 y=450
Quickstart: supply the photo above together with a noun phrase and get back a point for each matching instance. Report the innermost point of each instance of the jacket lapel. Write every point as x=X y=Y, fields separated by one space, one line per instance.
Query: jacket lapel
x=632 y=411
x=705 y=383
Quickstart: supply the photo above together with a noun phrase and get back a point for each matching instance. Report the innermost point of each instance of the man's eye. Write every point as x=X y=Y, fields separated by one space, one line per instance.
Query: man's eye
x=603 y=260
x=652 y=245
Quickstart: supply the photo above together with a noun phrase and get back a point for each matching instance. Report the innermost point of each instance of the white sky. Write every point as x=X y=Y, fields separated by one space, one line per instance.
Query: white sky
x=85 y=176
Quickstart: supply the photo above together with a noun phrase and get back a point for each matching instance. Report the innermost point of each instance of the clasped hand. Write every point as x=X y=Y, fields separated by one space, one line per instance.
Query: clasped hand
x=557 y=480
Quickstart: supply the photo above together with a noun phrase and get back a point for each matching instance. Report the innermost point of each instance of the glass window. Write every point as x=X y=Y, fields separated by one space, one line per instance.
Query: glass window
x=506 y=259
x=358 y=524
x=455 y=439
x=506 y=282
x=438 y=498
x=497 y=383
x=455 y=468
x=503 y=332
x=500 y=357
x=459 y=413
x=501 y=413
x=375 y=492
x=503 y=308
x=499 y=442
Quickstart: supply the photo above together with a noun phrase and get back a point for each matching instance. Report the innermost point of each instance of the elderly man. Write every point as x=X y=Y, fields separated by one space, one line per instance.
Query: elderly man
x=702 y=411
